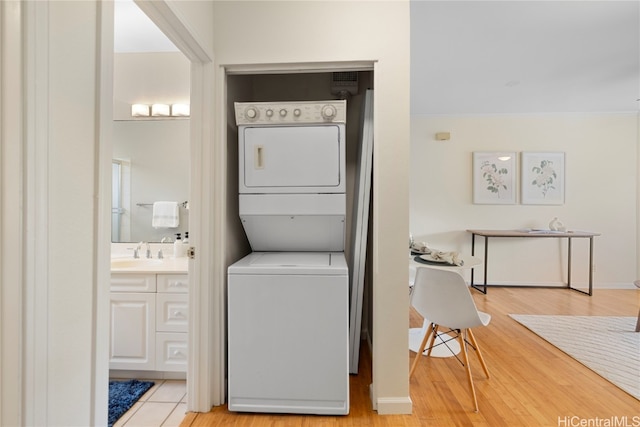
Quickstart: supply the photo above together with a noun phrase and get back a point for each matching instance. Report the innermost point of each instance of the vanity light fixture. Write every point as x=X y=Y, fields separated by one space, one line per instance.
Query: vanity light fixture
x=504 y=158
x=160 y=110
x=140 y=110
x=180 y=110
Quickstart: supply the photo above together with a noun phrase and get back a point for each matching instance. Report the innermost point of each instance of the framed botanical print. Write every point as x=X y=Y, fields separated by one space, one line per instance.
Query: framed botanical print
x=494 y=177
x=543 y=178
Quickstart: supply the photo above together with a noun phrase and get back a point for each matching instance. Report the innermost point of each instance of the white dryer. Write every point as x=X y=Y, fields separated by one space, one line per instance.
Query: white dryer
x=288 y=301
x=292 y=175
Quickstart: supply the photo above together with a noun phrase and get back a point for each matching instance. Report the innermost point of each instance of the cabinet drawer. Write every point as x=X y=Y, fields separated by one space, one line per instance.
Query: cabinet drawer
x=129 y=282
x=171 y=352
x=174 y=283
x=172 y=312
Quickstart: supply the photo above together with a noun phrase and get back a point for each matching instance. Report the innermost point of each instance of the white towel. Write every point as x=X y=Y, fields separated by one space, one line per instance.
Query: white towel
x=165 y=214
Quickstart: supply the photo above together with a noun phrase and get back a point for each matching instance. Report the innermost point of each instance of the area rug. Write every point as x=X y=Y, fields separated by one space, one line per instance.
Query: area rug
x=122 y=396
x=607 y=345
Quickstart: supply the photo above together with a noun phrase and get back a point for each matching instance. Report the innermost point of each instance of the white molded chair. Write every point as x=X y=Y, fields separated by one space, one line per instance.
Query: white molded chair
x=444 y=299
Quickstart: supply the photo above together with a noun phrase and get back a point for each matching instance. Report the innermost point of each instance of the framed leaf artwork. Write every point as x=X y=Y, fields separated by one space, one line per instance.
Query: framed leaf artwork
x=543 y=178
x=494 y=177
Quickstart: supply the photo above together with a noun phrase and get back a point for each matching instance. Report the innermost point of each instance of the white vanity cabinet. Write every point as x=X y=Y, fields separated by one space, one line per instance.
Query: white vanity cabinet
x=172 y=312
x=149 y=315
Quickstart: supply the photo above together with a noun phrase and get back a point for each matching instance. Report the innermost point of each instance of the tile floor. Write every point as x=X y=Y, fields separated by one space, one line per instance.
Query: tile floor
x=164 y=405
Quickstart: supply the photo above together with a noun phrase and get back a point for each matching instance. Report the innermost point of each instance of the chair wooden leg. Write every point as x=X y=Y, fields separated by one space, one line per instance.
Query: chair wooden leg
x=465 y=357
x=421 y=349
x=435 y=328
x=638 y=323
x=478 y=352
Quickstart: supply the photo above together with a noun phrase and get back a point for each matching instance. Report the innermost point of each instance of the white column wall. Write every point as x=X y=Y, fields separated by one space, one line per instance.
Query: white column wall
x=273 y=32
x=11 y=225
x=72 y=184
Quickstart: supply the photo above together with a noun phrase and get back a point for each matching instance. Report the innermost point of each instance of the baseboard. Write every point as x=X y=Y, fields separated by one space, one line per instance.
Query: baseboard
x=146 y=375
x=618 y=285
x=598 y=285
x=391 y=405
x=387 y=405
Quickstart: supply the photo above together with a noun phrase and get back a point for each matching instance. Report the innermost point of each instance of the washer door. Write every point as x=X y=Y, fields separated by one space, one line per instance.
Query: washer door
x=292 y=159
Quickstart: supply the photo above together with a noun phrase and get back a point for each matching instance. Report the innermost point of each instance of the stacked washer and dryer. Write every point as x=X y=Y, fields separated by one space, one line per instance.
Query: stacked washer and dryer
x=288 y=300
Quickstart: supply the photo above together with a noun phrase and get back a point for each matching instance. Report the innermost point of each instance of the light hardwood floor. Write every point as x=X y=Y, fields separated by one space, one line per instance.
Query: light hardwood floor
x=532 y=383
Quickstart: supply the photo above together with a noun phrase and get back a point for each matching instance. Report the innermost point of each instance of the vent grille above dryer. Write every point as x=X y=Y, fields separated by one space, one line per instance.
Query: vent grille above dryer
x=344 y=82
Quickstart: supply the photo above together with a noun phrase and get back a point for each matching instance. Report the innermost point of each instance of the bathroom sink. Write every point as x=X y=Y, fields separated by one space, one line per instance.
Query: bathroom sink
x=134 y=262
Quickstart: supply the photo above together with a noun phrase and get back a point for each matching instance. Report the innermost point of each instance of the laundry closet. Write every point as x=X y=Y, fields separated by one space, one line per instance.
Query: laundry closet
x=291 y=239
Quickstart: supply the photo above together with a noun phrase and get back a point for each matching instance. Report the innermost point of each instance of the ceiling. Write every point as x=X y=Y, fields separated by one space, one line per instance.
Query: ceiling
x=496 y=57
x=133 y=31
x=489 y=57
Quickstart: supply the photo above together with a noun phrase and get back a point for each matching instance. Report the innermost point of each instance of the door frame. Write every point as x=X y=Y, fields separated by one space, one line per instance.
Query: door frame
x=205 y=374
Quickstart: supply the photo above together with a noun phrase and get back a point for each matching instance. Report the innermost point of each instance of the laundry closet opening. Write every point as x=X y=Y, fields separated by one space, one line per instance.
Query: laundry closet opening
x=351 y=86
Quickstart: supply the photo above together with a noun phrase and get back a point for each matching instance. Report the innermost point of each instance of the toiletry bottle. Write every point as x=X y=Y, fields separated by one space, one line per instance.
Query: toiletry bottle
x=178 y=248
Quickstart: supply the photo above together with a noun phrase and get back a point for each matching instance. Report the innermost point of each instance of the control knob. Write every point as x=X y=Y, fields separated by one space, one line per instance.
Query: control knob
x=269 y=112
x=283 y=112
x=297 y=112
x=328 y=112
x=251 y=113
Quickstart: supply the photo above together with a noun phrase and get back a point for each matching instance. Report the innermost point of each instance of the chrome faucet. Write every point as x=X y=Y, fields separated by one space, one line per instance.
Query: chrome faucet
x=160 y=252
x=148 y=250
x=136 y=251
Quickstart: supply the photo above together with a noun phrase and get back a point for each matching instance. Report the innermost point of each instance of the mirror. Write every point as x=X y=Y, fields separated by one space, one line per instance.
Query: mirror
x=150 y=154
x=150 y=164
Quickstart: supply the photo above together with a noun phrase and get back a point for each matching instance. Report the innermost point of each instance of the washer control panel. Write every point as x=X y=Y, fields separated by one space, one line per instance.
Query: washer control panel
x=307 y=112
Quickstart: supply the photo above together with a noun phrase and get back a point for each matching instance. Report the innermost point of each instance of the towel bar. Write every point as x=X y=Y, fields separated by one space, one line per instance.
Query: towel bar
x=183 y=204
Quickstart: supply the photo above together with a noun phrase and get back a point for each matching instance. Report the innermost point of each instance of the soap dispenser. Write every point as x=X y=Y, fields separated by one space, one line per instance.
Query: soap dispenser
x=178 y=247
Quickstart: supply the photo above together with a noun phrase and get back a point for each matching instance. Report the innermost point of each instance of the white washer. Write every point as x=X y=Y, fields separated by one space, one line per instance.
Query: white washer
x=288 y=333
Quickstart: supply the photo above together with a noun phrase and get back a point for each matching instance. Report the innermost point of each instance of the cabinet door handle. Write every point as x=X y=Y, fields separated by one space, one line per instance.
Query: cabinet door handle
x=178 y=313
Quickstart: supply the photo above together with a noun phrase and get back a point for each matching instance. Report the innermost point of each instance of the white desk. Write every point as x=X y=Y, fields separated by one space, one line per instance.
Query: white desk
x=416 y=334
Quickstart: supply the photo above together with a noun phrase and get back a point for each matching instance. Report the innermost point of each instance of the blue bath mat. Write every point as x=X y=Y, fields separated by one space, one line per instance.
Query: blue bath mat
x=122 y=396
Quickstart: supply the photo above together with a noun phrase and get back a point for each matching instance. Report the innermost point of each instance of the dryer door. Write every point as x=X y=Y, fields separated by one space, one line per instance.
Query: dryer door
x=292 y=159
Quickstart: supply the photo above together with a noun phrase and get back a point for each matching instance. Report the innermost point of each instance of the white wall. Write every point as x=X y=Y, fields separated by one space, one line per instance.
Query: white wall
x=272 y=32
x=148 y=78
x=601 y=193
